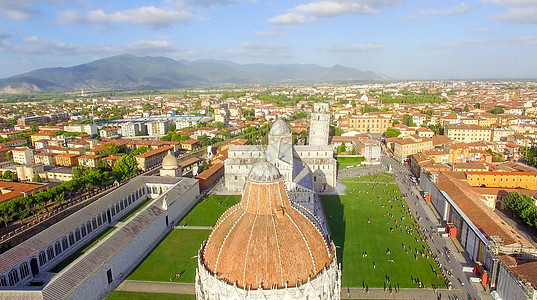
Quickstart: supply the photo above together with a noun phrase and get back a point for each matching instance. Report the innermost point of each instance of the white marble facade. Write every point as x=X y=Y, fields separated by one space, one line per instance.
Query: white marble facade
x=305 y=169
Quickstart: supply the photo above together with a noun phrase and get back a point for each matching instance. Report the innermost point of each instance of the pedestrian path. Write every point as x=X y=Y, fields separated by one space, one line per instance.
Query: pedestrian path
x=194 y=227
x=346 y=293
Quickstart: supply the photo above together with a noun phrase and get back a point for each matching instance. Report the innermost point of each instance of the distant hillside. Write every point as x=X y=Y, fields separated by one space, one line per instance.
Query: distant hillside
x=128 y=72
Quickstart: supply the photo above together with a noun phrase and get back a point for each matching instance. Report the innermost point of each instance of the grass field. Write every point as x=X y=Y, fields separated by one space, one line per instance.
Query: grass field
x=64 y=263
x=117 y=295
x=207 y=212
x=175 y=254
x=361 y=222
x=344 y=162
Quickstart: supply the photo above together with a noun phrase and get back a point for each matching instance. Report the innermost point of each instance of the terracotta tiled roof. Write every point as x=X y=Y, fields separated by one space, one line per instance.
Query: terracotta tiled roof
x=263 y=241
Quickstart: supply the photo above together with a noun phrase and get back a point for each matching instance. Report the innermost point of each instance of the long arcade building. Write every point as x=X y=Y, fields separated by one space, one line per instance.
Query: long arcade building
x=25 y=269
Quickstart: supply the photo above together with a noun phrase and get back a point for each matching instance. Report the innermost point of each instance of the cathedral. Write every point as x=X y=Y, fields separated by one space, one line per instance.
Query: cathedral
x=305 y=169
x=267 y=247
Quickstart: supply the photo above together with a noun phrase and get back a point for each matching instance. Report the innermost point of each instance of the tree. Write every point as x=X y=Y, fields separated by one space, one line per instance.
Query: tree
x=204 y=165
x=79 y=171
x=9 y=155
x=477 y=105
x=408 y=120
x=392 y=132
x=8 y=175
x=496 y=111
x=139 y=150
x=218 y=125
x=395 y=122
x=341 y=148
x=125 y=167
x=109 y=149
x=466 y=108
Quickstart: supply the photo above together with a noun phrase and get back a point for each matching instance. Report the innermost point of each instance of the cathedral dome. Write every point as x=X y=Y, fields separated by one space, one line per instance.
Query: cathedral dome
x=280 y=128
x=169 y=162
x=264 y=242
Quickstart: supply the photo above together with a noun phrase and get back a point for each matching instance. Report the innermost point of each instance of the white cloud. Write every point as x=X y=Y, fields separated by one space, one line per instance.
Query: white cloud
x=353 y=48
x=524 y=40
x=514 y=2
x=148 y=16
x=259 y=50
x=313 y=11
x=457 y=10
x=459 y=44
x=479 y=30
x=19 y=10
x=269 y=33
x=520 y=15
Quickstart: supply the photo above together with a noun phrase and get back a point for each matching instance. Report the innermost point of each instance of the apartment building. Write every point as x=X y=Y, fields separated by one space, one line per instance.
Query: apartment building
x=404 y=147
x=467 y=133
x=47 y=159
x=368 y=124
x=152 y=158
x=67 y=159
x=525 y=180
x=90 y=129
x=23 y=155
x=157 y=128
x=91 y=161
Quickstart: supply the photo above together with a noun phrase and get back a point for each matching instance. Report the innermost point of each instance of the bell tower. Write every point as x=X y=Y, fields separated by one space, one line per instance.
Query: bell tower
x=320 y=124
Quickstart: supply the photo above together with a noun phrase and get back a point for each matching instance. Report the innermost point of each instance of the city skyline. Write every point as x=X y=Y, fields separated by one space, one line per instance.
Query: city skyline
x=403 y=39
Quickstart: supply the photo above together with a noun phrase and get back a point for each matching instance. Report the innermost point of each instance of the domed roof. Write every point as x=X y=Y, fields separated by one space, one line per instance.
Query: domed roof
x=264 y=172
x=169 y=162
x=280 y=128
x=263 y=241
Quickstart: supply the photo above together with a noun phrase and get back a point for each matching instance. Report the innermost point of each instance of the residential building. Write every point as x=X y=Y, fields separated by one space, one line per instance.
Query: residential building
x=90 y=129
x=10 y=190
x=157 y=128
x=29 y=172
x=367 y=123
x=44 y=158
x=525 y=180
x=404 y=147
x=23 y=155
x=152 y=158
x=467 y=133
x=91 y=161
x=67 y=159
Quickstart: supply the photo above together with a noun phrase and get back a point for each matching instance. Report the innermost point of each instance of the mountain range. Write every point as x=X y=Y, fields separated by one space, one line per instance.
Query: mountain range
x=128 y=72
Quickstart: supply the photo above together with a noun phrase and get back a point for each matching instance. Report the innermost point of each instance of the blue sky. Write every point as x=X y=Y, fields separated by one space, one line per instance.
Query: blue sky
x=405 y=39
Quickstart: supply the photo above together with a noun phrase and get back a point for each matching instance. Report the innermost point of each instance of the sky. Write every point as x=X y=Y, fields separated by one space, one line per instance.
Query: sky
x=404 y=39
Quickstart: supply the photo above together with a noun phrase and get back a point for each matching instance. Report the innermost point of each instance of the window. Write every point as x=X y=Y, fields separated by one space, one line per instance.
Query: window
x=77 y=234
x=42 y=258
x=58 y=247
x=3 y=281
x=71 y=239
x=88 y=226
x=65 y=244
x=13 y=277
x=50 y=253
x=24 y=270
x=109 y=276
x=83 y=231
x=94 y=223
x=99 y=221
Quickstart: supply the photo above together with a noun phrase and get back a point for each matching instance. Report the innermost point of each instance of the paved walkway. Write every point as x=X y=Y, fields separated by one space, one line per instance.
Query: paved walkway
x=346 y=293
x=194 y=227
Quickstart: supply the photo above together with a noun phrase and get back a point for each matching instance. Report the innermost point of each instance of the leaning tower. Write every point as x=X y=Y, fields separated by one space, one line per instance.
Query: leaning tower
x=320 y=124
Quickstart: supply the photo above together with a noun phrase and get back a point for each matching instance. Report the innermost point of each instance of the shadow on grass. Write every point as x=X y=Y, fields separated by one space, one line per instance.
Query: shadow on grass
x=334 y=212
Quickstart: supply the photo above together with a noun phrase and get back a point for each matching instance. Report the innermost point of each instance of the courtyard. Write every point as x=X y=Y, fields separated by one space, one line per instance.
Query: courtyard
x=378 y=243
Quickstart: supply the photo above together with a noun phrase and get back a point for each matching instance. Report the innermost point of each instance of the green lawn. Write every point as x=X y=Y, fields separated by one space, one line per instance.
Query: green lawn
x=207 y=212
x=117 y=295
x=175 y=254
x=348 y=220
x=344 y=162
x=64 y=263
